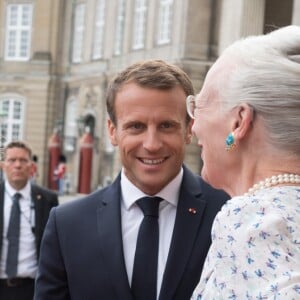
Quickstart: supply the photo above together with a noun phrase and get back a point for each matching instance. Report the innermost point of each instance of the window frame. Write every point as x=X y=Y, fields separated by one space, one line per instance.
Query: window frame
x=120 y=27
x=78 y=32
x=99 y=29
x=12 y=125
x=18 y=29
x=139 y=24
x=165 y=21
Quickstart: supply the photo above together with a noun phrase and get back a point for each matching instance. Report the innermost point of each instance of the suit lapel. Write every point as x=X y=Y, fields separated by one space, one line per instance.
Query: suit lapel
x=188 y=218
x=36 y=202
x=110 y=233
x=36 y=198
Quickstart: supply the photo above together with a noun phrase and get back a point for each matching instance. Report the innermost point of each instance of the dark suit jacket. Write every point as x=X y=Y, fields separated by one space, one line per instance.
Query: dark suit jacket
x=82 y=252
x=43 y=201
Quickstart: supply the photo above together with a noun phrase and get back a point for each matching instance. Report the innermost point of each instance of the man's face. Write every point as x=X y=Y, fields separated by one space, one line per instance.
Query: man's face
x=17 y=167
x=151 y=133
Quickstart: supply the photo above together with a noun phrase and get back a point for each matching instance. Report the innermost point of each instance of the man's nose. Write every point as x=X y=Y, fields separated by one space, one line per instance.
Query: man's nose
x=18 y=163
x=152 y=140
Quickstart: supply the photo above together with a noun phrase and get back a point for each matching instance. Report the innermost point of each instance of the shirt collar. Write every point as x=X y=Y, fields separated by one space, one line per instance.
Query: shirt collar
x=25 y=191
x=170 y=193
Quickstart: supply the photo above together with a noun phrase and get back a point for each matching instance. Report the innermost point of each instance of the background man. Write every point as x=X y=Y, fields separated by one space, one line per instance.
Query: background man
x=92 y=247
x=22 y=221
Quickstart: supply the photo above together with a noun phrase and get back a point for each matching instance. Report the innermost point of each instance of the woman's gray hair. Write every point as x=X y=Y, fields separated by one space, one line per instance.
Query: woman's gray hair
x=266 y=75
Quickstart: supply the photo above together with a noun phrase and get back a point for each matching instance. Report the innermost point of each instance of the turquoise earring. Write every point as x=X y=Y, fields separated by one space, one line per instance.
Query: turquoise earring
x=230 y=141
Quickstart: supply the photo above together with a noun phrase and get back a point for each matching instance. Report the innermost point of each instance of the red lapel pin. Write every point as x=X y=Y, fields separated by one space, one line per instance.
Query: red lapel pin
x=192 y=210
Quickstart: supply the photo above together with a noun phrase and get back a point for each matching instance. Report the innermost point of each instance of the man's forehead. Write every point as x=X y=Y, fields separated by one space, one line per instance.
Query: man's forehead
x=18 y=150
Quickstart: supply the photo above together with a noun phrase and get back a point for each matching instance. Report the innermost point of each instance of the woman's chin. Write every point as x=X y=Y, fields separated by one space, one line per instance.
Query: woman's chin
x=206 y=178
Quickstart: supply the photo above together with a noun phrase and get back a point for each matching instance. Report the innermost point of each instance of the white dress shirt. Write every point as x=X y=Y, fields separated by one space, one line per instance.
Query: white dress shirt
x=27 y=257
x=132 y=217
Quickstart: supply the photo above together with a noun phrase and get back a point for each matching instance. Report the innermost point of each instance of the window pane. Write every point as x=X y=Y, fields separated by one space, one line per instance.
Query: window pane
x=11 y=44
x=119 y=37
x=71 y=117
x=17 y=110
x=26 y=15
x=99 y=29
x=4 y=132
x=24 y=44
x=12 y=15
x=139 y=27
x=11 y=122
x=15 y=132
x=165 y=21
x=78 y=32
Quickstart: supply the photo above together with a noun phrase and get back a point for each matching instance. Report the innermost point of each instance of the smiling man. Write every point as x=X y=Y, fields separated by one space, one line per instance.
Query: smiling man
x=96 y=248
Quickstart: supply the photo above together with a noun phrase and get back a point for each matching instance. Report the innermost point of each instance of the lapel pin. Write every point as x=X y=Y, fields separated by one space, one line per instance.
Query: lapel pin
x=192 y=210
x=39 y=197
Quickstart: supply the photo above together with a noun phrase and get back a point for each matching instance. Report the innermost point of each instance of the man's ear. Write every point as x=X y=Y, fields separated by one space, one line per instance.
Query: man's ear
x=112 y=132
x=243 y=120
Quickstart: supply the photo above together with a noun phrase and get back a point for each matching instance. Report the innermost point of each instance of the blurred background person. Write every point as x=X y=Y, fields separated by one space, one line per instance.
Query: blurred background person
x=247 y=122
x=60 y=174
x=24 y=210
x=34 y=169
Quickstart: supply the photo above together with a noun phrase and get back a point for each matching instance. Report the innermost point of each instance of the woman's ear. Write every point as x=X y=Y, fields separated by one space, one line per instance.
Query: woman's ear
x=243 y=120
x=112 y=132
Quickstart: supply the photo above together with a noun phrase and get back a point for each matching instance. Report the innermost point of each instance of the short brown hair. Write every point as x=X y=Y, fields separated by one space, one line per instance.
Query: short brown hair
x=155 y=74
x=17 y=144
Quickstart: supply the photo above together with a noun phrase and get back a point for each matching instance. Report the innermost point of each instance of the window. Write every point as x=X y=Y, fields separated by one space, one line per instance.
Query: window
x=70 y=125
x=71 y=115
x=120 y=27
x=99 y=29
x=18 y=31
x=165 y=21
x=11 y=119
x=78 y=33
x=139 y=29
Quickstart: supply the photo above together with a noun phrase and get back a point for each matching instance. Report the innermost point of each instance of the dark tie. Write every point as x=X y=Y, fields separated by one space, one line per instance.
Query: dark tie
x=144 y=276
x=13 y=234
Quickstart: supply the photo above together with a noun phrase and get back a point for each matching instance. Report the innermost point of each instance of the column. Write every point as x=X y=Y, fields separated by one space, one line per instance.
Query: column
x=240 y=18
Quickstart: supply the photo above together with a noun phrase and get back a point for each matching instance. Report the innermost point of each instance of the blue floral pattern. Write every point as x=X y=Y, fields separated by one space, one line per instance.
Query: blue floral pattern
x=255 y=251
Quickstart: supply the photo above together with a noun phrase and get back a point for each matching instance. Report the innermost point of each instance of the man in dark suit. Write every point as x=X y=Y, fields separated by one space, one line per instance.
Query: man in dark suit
x=33 y=204
x=90 y=246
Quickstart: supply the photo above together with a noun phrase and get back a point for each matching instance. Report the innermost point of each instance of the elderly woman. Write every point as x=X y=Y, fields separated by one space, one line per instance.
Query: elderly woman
x=247 y=123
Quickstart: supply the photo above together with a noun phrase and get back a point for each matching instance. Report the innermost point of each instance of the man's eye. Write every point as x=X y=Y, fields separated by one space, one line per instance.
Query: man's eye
x=166 y=125
x=24 y=161
x=137 y=126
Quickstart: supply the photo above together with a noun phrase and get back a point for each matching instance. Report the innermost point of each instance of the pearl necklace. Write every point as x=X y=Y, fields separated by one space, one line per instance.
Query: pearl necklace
x=274 y=180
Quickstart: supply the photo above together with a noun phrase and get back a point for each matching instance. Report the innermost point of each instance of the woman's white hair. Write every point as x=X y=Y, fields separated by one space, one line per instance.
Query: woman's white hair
x=266 y=75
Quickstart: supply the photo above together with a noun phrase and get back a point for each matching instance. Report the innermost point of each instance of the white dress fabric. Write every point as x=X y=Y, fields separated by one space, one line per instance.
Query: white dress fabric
x=255 y=251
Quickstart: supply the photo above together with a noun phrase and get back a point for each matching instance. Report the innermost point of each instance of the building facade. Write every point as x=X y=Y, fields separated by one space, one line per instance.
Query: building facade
x=57 y=57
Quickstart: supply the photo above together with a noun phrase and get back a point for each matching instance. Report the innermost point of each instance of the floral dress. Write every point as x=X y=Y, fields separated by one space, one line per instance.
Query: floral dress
x=255 y=251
